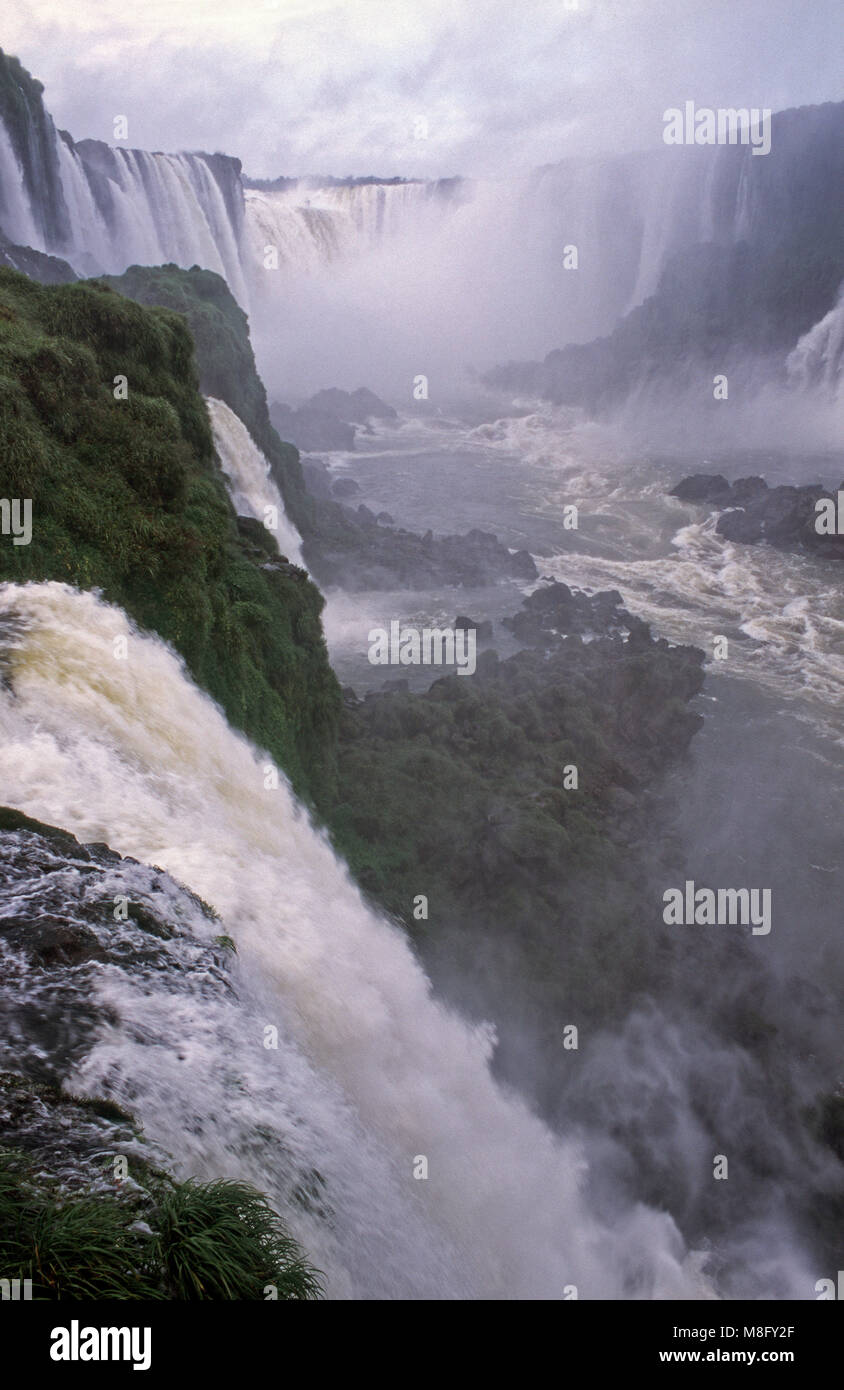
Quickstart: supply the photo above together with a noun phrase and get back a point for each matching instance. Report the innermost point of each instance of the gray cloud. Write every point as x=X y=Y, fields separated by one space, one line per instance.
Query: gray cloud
x=310 y=86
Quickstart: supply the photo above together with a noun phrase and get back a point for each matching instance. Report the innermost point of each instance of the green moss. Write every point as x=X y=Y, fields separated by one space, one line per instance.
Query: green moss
x=128 y=498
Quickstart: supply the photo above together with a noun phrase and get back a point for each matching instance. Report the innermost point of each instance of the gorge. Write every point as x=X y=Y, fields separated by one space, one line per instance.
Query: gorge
x=244 y=778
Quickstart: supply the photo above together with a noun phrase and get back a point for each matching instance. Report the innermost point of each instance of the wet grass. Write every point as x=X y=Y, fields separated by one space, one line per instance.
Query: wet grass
x=196 y=1241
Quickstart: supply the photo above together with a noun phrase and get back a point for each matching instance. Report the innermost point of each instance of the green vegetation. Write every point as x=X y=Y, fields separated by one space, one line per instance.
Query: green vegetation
x=222 y=1240
x=128 y=498
x=225 y=361
x=189 y=1241
x=460 y=789
x=459 y=793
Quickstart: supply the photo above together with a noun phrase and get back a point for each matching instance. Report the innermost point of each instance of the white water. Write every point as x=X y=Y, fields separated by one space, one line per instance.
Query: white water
x=130 y=752
x=783 y=609
x=818 y=359
x=253 y=491
x=18 y=221
x=151 y=208
x=164 y=207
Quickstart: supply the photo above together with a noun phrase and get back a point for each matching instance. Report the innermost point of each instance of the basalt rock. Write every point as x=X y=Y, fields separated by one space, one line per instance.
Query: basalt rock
x=751 y=512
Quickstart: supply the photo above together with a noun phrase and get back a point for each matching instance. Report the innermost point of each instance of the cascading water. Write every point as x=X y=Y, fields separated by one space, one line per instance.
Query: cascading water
x=371 y=1073
x=475 y=271
x=817 y=362
x=16 y=215
x=106 y=208
x=147 y=209
x=252 y=489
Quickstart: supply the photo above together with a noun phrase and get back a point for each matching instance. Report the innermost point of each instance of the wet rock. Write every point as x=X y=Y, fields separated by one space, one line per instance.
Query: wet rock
x=783 y=516
x=702 y=487
x=558 y=611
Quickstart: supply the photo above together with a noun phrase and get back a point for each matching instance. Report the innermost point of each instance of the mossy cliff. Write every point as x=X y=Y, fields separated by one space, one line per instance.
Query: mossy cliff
x=225 y=361
x=127 y=497
x=341 y=547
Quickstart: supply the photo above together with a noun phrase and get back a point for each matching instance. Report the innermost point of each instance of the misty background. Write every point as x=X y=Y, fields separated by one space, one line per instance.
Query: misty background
x=312 y=87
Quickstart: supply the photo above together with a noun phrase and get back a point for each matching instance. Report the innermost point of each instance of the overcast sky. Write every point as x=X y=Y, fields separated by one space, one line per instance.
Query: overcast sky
x=311 y=86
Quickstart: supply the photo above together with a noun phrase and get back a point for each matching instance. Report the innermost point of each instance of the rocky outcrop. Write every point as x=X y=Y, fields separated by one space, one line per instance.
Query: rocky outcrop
x=47 y=270
x=312 y=430
x=558 y=611
x=752 y=511
x=88 y=1208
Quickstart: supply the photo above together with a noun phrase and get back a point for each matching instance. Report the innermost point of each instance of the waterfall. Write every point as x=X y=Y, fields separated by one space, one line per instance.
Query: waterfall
x=105 y=208
x=817 y=362
x=16 y=215
x=371 y=1073
x=130 y=207
x=312 y=225
x=252 y=489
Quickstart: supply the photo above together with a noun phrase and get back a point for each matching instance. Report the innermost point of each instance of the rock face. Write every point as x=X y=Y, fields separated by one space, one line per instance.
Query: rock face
x=47 y=270
x=558 y=611
x=752 y=511
x=317 y=479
